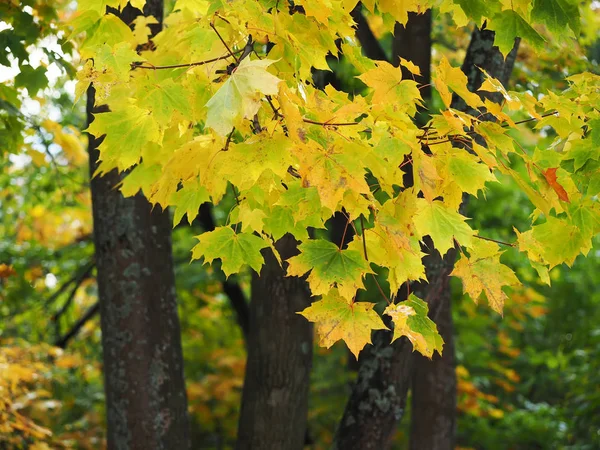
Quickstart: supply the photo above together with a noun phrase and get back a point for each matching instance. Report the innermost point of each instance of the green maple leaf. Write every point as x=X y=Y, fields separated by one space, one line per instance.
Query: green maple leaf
x=32 y=79
x=509 y=25
x=187 y=200
x=234 y=250
x=330 y=267
x=482 y=272
x=411 y=320
x=163 y=98
x=467 y=173
x=131 y=125
x=239 y=96
x=557 y=15
x=335 y=318
x=442 y=224
x=554 y=242
x=117 y=58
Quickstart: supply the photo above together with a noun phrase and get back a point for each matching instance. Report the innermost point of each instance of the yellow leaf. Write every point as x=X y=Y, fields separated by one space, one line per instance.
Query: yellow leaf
x=335 y=318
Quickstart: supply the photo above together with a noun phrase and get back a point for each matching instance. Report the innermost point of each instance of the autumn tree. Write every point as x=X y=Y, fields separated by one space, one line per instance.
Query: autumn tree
x=223 y=103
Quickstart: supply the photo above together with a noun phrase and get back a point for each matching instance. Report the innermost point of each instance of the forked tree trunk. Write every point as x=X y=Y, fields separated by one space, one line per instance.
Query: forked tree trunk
x=146 y=403
x=275 y=396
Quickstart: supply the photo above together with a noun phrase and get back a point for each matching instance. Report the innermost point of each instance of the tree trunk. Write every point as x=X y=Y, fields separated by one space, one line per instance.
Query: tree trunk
x=383 y=392
x=146 y=403
x=413 y=43
x=433 y=420
x=275 y=396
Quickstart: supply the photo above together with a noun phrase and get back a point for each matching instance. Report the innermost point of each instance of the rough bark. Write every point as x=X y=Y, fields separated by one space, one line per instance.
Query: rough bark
x=433 y=420
x=383 y=392
x=275 y=396
x=146 y=403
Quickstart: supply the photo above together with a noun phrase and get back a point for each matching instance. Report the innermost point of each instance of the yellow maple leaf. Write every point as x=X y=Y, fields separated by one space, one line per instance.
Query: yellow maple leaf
x=482 y=272
x=335 y=318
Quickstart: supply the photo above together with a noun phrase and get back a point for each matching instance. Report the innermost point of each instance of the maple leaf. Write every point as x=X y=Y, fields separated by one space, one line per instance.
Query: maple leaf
x=239 y=97
x=509 y=25
x=335 y=318
x=550 y=175
x=234 y=250
x=333 y=170
x=442 y=224
x=482 y=272
x=455 y=79
x=389 y=87
x=390 y=245
x=187 y=200
x=557 y=15
x=467 y=173
x=329 y=267
x=132 y=125
x=411 y=320
x=553 y=242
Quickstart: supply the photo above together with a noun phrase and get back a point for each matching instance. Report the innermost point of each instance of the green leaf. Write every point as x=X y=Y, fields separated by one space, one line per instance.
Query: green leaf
x=443 y=225
x=330 y=267
x=468 y=173
x=509 y=25
x=117 y=58
x=163 y=99
x=234 y=250
x=411 y=320
x=482 y=272
x=335 y=318
x=187 y=200
x=553 y=243
x=557 y=15
x=32 y=79
x=131 y=125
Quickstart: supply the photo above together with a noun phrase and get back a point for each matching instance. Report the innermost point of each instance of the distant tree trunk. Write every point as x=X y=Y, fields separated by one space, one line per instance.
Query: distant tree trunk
x=275 y=396
x=433 y=420
x=146 y=403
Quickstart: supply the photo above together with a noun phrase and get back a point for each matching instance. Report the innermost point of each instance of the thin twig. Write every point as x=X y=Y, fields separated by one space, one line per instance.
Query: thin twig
x=381 y=290
x=212 y=25
x=331 y=124
x=496 y=241
x=179 y=66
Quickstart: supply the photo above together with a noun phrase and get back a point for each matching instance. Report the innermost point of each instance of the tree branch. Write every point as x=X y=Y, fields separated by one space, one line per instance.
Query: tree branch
x=63 y=341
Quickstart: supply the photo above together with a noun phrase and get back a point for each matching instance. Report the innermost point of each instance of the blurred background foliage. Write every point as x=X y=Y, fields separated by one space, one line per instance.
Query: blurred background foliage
x=528 y=380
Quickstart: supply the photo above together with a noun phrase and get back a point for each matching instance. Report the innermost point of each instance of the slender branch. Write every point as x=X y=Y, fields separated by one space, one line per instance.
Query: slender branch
x=381 y=290
x=74 y=331
x=331 y=124
x=212 y=25
x=496 y=241
x=80 y=279
x=67 y=283
x=179 y=66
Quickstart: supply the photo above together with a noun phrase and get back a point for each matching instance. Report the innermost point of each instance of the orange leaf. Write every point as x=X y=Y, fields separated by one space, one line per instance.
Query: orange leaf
x=550 y=176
